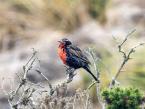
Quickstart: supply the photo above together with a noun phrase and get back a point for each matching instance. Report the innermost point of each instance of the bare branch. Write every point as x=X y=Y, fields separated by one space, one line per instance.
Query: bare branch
x=127 y=36
x=50 y=86
x=95 y=61
x=91 y=85
x=23 y=81
x=126 y=57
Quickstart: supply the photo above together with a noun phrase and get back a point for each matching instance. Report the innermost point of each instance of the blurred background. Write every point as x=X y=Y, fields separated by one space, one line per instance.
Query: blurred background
x=39 y=24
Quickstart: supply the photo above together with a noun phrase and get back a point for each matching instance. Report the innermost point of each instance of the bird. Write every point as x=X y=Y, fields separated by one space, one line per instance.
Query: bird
x=73 y=57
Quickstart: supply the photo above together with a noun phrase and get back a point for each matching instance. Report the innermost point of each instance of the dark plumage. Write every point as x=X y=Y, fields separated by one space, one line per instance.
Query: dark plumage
x=73 y=57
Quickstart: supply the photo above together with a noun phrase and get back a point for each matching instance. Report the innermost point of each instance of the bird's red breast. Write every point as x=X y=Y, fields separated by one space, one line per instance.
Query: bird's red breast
x=62 y=53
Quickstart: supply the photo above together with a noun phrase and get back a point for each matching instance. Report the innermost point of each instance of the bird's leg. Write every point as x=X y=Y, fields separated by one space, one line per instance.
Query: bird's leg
x=70 y=73
x=69 y=69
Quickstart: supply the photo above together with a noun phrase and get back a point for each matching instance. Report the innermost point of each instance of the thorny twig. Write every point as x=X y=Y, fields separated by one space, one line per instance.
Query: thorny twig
x=91 y=53
x=126 y=57
x=39 y=72
x=24 y=100
x=96 y=69
x=31 y=61
x=23 y=80
x=50 y=86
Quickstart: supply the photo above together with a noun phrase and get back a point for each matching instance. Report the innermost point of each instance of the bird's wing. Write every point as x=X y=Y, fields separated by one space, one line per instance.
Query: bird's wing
x=75 y=51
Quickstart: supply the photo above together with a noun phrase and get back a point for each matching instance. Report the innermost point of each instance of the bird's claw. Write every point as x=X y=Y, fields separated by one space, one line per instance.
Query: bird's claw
x=70 y=77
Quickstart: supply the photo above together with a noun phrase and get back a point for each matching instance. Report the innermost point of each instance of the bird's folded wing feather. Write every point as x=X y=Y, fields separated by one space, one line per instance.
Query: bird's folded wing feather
x=75 y=51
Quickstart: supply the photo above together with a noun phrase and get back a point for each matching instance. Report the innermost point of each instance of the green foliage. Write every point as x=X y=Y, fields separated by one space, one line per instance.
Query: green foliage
x=119 y=98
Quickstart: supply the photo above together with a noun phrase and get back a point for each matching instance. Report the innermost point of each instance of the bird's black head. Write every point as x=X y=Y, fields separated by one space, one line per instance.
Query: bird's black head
x=65 y=41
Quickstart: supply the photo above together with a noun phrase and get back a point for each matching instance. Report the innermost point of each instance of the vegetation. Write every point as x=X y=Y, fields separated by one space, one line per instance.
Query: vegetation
x=37 y=96
x=23 y=16
x=120 y=98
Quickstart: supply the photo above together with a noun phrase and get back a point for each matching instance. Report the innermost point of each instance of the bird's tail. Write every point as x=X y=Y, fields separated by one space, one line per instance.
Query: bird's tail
x=88 y=70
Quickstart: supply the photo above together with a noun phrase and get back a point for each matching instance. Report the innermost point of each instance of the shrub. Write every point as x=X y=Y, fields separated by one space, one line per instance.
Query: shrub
x=119 y=98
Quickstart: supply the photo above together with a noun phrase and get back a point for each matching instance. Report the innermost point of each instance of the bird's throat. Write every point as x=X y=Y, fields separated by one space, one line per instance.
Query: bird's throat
x=62 y=54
